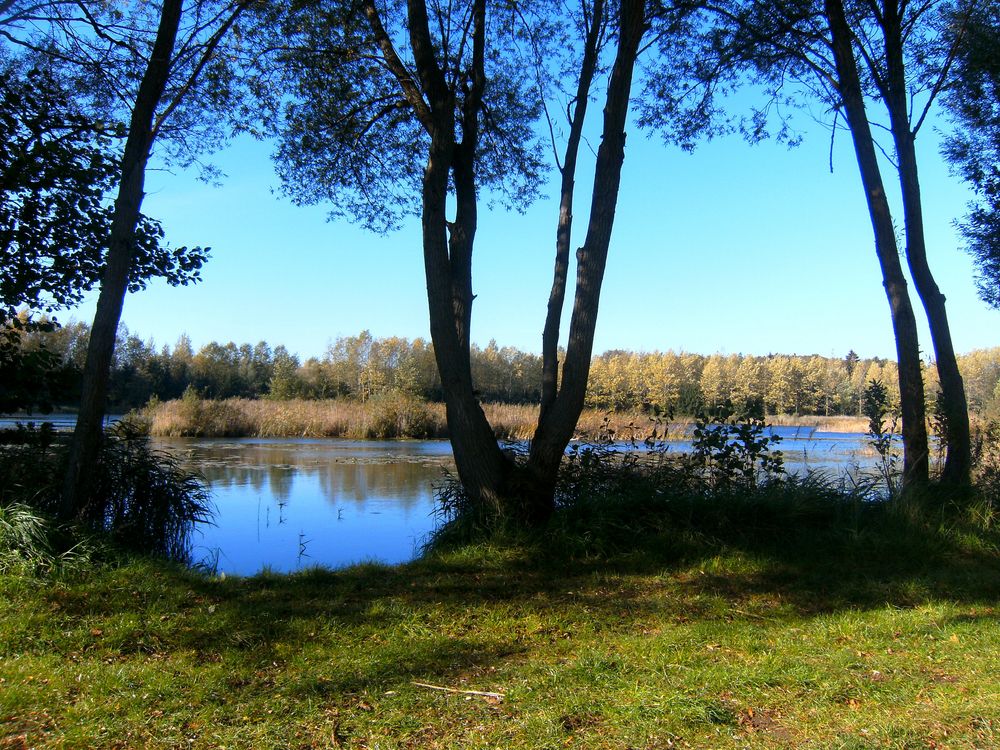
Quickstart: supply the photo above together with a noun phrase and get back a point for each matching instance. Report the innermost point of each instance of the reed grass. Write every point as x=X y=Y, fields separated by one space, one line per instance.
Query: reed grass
x=385 y=417
x=833 y=423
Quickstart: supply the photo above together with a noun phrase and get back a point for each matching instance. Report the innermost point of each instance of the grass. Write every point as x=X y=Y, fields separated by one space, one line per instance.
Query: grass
x=139 y=499
x=857 y=627
x=394 y=416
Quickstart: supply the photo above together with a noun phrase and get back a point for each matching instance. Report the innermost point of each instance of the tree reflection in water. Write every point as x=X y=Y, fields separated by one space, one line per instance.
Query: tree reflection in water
x=354 y=501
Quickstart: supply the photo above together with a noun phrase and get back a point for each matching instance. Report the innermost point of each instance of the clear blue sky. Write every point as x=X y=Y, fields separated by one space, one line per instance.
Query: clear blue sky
x=733 y=248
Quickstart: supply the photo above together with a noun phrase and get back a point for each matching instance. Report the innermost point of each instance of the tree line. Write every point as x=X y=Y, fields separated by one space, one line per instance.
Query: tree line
x=381 y=111
x=363 y=366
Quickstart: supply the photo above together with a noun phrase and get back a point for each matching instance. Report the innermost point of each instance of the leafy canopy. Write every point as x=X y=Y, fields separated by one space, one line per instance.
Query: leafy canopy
x=57 y=167
x=348 y=135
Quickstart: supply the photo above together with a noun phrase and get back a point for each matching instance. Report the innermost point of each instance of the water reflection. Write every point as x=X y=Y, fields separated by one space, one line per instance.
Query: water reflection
x=288 y=504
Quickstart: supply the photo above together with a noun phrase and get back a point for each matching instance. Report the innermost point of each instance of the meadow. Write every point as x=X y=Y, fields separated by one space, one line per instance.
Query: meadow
x=781 y=627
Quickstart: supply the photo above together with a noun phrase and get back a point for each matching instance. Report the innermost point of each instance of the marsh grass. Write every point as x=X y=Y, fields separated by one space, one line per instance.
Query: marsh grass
x=140 y=500
x=387 y=416
x=835 y=423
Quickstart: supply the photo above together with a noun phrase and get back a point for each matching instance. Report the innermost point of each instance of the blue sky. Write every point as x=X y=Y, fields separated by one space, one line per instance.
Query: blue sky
x=734 y=249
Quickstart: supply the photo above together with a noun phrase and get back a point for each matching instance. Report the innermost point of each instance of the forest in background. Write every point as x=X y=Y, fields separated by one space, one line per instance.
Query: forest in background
x=361 y=367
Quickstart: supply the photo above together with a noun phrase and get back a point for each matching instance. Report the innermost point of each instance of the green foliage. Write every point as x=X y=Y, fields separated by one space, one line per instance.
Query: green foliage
x=284 y=383
x=57 y=167
x=28 y=376
x=734 y=451
x=142 y=499
x=349 y=138
x=973 y=148
x=880 y=433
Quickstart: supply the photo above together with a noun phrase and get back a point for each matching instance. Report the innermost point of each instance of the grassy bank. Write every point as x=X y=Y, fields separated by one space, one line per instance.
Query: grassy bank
x=862 y=629
x=393 y=416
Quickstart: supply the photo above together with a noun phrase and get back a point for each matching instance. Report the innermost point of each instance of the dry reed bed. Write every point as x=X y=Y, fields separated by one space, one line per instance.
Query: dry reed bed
x=380 y=418
x=401 y=416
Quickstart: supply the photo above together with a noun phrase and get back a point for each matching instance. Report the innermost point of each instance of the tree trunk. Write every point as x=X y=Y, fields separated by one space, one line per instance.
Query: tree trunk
x=487 y=475
x=952 y=403
x=86 y=442
x=556 y=425
x=564 y=226
x=911 y=389
x=482 y=467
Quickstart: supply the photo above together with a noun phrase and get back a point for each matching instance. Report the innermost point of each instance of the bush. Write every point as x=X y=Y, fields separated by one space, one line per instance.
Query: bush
x=398 y=414
x=141 y=500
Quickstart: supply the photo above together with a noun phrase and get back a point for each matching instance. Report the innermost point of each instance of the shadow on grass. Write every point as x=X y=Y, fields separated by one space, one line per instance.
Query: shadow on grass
x=459 y=611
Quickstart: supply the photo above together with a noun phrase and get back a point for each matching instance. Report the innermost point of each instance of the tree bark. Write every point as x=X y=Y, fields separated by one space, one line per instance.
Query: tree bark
x=86 y=442
x=564 y=227
x=911 y=390
x=556 y=426
x=952 y=403
x=482 y=467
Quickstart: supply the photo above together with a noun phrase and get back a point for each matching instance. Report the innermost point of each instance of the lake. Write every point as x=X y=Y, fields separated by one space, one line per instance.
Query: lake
x=288 y=504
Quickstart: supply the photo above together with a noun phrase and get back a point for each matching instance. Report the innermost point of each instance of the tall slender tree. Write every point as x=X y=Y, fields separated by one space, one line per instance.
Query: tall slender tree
x=878 y=65
x=379 y=93
x=144 y=61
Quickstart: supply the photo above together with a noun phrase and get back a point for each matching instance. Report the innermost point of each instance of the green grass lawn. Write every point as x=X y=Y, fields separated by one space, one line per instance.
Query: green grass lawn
x=799 y=638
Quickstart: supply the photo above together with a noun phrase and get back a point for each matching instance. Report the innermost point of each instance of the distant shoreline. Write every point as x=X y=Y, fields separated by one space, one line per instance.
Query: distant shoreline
x=399 y=416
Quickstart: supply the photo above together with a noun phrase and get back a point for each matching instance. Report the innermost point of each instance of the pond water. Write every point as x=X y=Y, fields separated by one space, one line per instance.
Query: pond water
x=288 y=504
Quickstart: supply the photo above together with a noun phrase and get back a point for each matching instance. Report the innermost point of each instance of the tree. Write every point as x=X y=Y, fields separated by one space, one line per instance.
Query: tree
x=855 y=57
x=423 y=112
x=57 y=166
x=144 y=63
x=973 y=100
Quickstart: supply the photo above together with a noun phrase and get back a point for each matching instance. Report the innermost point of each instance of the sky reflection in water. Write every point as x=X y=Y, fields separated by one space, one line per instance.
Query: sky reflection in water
x=291 y=504
x=288 y=504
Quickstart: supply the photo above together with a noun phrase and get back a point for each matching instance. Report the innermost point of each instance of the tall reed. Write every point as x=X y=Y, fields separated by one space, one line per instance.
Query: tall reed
x=390 y=415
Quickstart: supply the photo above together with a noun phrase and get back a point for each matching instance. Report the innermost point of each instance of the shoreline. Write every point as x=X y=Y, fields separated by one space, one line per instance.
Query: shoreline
x=403 y=417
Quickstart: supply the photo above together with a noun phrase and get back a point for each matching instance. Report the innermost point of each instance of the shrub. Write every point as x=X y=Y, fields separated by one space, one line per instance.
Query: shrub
x=398 y=414
x=140 y=499
x=730 y=451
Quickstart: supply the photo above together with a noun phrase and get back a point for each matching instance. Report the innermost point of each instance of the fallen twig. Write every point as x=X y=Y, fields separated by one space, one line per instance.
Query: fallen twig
x=496 y=696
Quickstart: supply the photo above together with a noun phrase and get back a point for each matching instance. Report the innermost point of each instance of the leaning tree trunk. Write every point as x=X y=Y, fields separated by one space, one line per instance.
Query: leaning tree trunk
x=557 y=423
x=86 y=443
x=911 y=389
x=952 y=403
